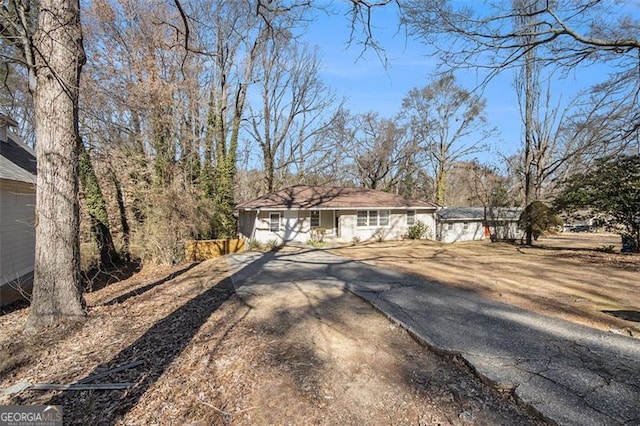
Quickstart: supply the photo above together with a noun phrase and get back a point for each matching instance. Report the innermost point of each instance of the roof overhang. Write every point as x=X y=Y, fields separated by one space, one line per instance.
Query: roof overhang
x=280 y=208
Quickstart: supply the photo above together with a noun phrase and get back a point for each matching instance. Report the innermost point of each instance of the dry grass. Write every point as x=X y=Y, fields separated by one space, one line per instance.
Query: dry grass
x=566 y=276
x=300 y=354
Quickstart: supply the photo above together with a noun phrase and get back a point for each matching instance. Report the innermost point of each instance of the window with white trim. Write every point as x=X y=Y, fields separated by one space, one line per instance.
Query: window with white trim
x=274 y=222
x=372 y=218
x=465 y=225
x=449 y=226
x=315 y=218
x=383 y=217
x=363 y=218
x=411 y=217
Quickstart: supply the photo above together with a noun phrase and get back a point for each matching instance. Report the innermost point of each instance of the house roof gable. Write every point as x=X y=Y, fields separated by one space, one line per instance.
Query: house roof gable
x=304 y=197
x=17 y=162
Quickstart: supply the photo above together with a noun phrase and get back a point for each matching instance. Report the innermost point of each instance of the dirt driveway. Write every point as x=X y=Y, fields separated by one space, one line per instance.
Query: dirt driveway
x=567 y=276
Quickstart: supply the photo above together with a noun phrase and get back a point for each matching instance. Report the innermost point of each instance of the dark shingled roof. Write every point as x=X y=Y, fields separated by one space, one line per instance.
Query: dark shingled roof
x=320 y=197
x=477 y=213
x=17 y=162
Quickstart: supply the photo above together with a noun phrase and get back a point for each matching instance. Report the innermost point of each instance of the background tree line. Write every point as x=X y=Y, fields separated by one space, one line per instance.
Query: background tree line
x=168 y=113
x=173 y=136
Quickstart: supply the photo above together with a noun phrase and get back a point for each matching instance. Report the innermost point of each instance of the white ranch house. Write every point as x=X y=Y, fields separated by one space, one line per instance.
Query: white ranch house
x=17 y=214
x=345 y=214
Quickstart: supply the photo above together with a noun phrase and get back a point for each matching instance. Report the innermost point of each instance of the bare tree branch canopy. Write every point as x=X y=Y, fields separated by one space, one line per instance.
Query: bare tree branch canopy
x=448 y=124
x=294 y=100
x=570 y=31
x=565 y=34
x=381 y=151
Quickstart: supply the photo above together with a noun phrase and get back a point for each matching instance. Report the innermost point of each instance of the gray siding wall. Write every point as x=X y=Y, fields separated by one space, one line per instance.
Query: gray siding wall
x=17 y=232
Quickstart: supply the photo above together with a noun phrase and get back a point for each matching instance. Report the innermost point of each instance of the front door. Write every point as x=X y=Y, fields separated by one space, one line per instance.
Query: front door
x=291 y=228
x=327 y=221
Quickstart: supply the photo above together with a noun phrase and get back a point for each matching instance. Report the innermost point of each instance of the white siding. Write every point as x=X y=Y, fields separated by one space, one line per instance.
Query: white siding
x=346 y=225
x=246 y=224
x=294 y=226
x=17 y=233
x=428 y=217
x=396 y=229
x=474 y=231
x=297 y=229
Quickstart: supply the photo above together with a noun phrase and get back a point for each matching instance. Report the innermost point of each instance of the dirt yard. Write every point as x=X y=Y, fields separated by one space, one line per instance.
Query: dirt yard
x=197 y=354
x=571 y=275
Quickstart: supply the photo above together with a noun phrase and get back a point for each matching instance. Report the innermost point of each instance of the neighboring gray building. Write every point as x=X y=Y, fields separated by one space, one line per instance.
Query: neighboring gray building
x=477 y=223
x=17 y=214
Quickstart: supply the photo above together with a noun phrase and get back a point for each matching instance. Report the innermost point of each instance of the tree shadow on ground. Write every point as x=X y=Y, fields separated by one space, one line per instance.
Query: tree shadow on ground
x=157 y=349
x=459 y=321
x=141 y=290
x=625 y=315
x=560 y=248
x=306 y=358
x=96 y=278
x=14 y=306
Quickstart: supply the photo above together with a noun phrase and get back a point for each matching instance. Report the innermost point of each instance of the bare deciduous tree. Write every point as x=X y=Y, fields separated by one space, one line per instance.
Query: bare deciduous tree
x=48 y=39
x=293 y=103
x=381 y=150
x=564 y=34
x=447 y=123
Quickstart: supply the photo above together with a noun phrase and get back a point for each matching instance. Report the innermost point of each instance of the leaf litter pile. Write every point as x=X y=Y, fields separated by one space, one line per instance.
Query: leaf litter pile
x=185 y=349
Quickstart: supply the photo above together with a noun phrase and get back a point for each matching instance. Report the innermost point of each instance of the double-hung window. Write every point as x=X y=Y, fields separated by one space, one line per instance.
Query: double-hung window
x=363 y=218
x=411 y=217
x=274 y=222
x=315 y=218
x=372 y=218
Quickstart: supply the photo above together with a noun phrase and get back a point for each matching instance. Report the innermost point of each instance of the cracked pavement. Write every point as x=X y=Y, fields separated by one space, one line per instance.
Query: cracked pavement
x=570 y=374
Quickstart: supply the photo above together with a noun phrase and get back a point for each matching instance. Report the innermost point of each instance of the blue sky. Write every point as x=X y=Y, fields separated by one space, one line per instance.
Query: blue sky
x=365 y=82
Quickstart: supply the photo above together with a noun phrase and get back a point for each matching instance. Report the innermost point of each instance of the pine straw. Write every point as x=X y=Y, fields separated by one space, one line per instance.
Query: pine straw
x=303 y=355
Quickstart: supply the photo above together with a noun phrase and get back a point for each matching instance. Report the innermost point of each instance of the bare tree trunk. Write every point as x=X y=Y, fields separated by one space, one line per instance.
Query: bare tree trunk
x=126 y=231
x=530 y=75
x=528 y=136
x=97 y=209
x=441 y=184
x=57 y=294
x=269 y=168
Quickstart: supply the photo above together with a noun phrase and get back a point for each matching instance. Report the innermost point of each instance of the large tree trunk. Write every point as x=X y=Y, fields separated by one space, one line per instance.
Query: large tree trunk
x=57 y=294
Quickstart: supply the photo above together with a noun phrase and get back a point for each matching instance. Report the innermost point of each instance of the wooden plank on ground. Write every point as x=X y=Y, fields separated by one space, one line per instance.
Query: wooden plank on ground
x=81 y=387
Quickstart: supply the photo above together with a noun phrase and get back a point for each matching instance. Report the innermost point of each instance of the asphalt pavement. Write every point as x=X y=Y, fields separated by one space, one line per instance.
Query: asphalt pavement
x=570 y=374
